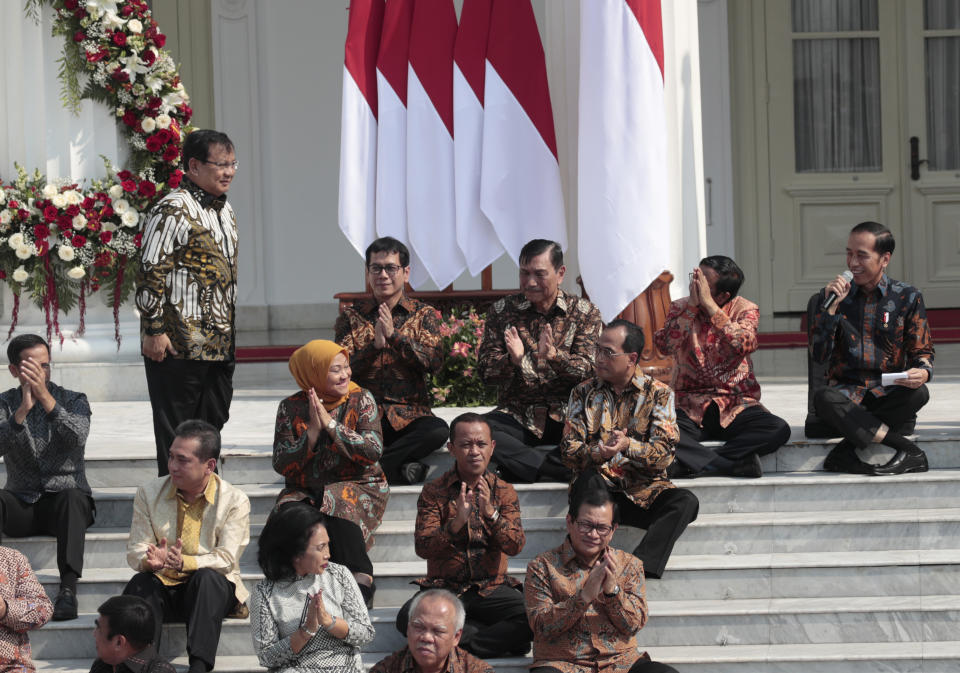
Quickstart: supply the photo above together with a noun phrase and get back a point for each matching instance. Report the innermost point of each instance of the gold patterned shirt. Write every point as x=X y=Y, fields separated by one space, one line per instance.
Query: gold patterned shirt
x=536 y=390
x=189 y=521
x=644 y=410
x=187 y=285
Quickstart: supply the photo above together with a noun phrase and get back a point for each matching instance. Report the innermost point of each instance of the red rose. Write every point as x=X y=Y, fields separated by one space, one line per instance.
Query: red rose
x=120 y=75
x=79 y=36
x=50 y=213
x=13 y=204
x=160 y=40
x=149 y=56
x=105 y=236
x=164 y=136
x=103 y=259
x=171 y=153
x=119 y=38
x=174 y=180
x=95 y=56
x=41 y=231
x=124 y=175
x=71 y=4
x=73 y=211
x=65 y=222
x=88 y=202
x=24 y=214
x=126 y=10
x=186 y=111
x=130 y=118
x=147 y=189
x=79 y=241
x=129 y=185
x=107 y=211
x=138 y=240
x=154 y=143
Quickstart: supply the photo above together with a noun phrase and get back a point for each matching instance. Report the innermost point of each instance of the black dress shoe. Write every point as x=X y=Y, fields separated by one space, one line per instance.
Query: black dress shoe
x=843 y=458
x=414 y=473
x=678 y=470
x=902 y=463
x=65 y=605
x=747 y=467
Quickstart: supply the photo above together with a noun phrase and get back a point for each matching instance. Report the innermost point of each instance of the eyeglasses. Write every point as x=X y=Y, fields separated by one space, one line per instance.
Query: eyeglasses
x=606 y=354
x=602 y=529
x=391 y=269
x=225 y=165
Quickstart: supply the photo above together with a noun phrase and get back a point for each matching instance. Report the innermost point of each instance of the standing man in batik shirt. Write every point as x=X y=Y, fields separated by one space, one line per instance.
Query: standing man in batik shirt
x=394 y=345
x=586 y=600
x=711 y=335
x=537 y=345
x=620 y=435
x=468 y=526
x=186 y=293
x=876 y=326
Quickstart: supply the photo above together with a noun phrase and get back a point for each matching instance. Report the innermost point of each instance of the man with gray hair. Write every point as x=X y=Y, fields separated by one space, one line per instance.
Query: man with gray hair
x=433 y=633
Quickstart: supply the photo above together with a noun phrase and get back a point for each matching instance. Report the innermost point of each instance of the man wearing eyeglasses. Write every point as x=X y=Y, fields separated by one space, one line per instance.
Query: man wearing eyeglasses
x=586 y=600
x=186 y=293
x=711 y=335
x=620 y=435
x=43 y=433
x=394 y=344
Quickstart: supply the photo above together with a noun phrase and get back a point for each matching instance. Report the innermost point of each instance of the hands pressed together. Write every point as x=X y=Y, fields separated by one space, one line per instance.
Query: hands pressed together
x=164 y=555
x=546 y=348
x=602 y=577
x=383 y=329
x=465 y=503
x=33 y=384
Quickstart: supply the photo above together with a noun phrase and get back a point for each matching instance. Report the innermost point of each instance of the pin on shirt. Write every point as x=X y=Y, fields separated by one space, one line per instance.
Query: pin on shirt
x=886 y=319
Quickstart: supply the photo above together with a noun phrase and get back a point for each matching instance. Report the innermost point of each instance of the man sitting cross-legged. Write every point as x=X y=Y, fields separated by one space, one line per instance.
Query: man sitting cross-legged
x=619 y=435
x=468 y=525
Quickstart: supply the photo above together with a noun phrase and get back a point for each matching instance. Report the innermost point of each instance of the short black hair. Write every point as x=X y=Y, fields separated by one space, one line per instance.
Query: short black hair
x=537 y=247
x=130 y=617
x=729 y=275
x=24 y=342
x=389 y=244
x=197 y=145
x=884 y=237
x=284 y=537
x=633 y=340
x=594 y=497
x=207 y=436
x=468 y=417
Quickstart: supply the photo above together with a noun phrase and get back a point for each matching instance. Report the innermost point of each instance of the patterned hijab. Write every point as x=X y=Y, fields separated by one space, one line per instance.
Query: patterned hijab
x=309 y=365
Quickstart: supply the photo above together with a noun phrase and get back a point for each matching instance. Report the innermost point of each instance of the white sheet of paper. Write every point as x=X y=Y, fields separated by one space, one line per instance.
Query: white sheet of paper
x=888 y=379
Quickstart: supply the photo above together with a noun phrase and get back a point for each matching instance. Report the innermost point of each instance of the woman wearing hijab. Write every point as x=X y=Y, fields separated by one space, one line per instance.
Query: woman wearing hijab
x=326 y=445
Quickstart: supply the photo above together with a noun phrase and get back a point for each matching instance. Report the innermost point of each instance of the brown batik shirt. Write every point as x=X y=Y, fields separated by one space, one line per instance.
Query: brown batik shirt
x=536 y=390
x=476 y=556
x=458 y=661
x=397 y=373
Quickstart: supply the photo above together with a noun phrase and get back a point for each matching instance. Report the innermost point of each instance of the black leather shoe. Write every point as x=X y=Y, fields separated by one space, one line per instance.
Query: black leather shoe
x=843 y=458
x=414 y=473
x=748 y=467
x=678 y=470
x=902 y=463
x=65 y=605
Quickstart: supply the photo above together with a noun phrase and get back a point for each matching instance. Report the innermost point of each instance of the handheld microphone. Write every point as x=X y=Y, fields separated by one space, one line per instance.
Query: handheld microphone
x=832 y=297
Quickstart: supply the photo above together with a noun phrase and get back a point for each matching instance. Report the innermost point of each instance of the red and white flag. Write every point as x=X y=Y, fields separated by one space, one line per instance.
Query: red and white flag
x=431 y=213
x=520 y=188
x=392 y=128
x=358 y=124
x=624 y=215
x=475 y=233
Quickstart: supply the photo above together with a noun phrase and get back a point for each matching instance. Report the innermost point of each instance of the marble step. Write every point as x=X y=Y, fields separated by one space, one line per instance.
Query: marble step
x=681 y=623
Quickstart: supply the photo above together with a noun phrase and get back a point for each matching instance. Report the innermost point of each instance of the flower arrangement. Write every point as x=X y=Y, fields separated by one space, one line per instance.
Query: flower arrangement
x=457 y=383
x=59 y=241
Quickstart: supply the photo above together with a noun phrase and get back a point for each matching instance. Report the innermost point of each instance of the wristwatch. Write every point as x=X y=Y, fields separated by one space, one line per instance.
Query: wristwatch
x=613 y=593
x=493 y=518
x=332 y=424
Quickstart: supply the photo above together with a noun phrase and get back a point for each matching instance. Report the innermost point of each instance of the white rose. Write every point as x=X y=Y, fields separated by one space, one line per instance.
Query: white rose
x=135 y=26
x=163 y=121
x=120 y=206
x=59 y=200
x=15 y=241
x=66 y=253
x=77 y=272
x=130 y=218
x=148 y=124
x=6 y=216
x=79 y=222
x=73 y=197
x=3 y=196
x=49 y=191
x=20 y=274
x=115 y=192
x=109 y=226
x=25 y=252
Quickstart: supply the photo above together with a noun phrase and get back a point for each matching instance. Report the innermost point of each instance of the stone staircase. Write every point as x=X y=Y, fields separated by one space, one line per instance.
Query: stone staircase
x=797 y=571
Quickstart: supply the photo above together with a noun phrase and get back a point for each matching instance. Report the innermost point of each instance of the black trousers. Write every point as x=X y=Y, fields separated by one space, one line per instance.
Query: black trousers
x=515 y=452
x=753 y=430
x=415 y=441
x=859 y=422
x=181 y=390
x=202 y=602
x=496 y=625
x=640 y=666
x=664 y=520
x=66 y=515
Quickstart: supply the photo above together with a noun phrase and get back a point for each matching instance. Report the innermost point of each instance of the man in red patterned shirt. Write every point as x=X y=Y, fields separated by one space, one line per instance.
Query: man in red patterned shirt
x=711 y=334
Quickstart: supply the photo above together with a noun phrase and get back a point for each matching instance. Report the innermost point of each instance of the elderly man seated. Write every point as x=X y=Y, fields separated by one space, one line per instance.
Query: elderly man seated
x=468 y=525
x=436 y=624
